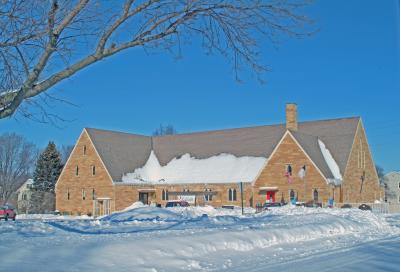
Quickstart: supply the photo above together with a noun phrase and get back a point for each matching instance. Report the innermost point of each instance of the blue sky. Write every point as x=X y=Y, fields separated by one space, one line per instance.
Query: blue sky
x=349 y=68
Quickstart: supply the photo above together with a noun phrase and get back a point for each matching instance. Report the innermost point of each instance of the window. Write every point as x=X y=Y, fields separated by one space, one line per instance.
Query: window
x=84 y=150
x=93 y=170
x=289 y=170
x=77 y=171
x=186 y=190
x=207 y=195
x=83 y=194
x=68 y=196
x=93 y=194
x=399 y=198
x=232 y=194
x=23 y=196
x=315 y=195
x=292 y=195
x=399 y=185
x=164 y=195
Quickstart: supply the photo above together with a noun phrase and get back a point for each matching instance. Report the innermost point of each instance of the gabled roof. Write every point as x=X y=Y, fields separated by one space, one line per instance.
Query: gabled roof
x=120 y=152
x=123 y=153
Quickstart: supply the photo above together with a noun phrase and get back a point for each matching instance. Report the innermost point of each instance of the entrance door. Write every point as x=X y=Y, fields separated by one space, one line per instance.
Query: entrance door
x=270 y=196
x=144 y=198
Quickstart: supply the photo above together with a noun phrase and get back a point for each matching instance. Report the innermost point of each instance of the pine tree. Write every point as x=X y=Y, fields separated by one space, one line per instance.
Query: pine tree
x=48 y=169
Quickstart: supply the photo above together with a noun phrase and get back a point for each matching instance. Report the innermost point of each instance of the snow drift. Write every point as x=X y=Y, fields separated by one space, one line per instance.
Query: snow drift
x=223 y=168
x=333 y=166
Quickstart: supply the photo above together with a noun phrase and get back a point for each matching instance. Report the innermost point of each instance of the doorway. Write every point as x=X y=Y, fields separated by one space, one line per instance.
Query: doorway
x=144 y=198
x=270 y=196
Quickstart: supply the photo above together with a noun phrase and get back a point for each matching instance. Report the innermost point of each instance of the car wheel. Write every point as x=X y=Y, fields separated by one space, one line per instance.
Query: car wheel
x=6 y=218
x=14 y=217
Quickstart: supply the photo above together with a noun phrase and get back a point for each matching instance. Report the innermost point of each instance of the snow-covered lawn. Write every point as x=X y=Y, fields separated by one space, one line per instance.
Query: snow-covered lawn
x=206 y=239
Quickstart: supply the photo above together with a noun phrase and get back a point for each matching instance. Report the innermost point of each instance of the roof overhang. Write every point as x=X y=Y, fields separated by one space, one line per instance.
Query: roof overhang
x=269 y=189
x=147 y=190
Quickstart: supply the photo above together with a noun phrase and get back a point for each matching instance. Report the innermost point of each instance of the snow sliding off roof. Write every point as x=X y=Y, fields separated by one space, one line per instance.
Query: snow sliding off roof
x=124 y=153
x=223 y=168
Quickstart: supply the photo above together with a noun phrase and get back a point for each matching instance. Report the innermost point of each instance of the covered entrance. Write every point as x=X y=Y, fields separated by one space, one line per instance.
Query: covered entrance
x=101 y=206
x=146 y=195
x=269 y=193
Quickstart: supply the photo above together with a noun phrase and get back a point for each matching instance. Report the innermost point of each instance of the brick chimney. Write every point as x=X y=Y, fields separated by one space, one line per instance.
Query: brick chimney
x=291 y=116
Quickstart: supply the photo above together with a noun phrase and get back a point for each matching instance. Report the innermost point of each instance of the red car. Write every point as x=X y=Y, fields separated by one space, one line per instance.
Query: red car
x=7 y=212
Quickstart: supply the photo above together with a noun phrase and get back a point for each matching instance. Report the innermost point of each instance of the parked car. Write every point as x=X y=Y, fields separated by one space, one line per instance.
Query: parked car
x=313 y=204
x=346 y=206
x=7 y=212
x=365 y=207
x=177 y=203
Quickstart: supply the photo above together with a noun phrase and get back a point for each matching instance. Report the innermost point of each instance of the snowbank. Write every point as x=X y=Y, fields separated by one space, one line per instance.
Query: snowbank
x=222 y=168
x=144 y=238
x=333 y=166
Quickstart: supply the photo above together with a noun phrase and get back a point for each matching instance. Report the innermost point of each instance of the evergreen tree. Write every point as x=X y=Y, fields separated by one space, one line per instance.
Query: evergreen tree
x=48 y=169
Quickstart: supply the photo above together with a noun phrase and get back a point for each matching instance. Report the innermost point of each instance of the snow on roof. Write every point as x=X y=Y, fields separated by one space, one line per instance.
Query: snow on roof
x=222 y=168
x=333 y=166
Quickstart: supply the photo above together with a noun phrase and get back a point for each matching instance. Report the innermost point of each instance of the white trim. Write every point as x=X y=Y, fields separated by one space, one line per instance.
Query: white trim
x=301 y=148
x=271 y=188
x=269 y=158
x=97 y=153
x=351 y=150
x=308 y=157
x=70 y=155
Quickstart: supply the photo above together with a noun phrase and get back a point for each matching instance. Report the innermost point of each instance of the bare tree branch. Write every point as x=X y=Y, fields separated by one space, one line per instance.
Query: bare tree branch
x=44 y=42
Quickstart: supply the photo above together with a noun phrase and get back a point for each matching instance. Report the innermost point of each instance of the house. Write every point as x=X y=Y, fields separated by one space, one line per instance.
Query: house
x=392 y=187
x=295 y=161
x=24 y=195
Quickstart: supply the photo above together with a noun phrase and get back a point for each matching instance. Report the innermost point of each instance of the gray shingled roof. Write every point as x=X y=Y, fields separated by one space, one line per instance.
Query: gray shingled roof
x=123 y=153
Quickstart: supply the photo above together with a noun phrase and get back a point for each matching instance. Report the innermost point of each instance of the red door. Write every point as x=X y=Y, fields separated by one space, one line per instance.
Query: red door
x=270 y=196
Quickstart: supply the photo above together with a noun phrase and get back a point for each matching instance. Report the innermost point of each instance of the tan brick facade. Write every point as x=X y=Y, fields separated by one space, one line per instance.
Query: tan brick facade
x=361 y=164
x=85 y=157
x=273 y=175
x=287 y=152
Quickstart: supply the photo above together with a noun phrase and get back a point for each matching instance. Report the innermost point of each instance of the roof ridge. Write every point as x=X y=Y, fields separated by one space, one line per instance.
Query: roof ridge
x=226 y=129
x=117 y=132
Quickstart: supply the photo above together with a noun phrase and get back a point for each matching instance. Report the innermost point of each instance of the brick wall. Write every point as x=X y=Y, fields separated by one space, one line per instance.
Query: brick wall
x=273 y=175
x=361 y=161
x=85 y=180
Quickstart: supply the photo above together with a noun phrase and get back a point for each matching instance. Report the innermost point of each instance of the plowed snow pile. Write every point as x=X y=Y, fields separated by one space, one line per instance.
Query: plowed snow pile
x=143 y=238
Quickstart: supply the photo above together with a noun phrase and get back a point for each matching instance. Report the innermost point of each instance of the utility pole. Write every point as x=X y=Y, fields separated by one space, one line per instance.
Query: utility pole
x=241 y=196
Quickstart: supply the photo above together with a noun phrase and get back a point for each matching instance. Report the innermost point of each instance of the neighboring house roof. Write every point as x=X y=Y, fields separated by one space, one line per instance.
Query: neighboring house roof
x=393 y=176
x=123 y=153
x=24 y=186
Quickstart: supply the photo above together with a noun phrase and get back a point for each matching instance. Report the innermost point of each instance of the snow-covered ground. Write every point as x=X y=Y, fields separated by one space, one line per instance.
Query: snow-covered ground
x=145 y=238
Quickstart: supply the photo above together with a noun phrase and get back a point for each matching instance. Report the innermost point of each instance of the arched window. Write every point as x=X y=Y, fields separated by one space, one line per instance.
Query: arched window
x=93 y=194
x=68 y=195
x=292 y=195
x=232 y=194
x=207 y=195
x=77 y=171
x=315 y=195
x=93 y=170
x=164 y=195
x=84 y=150
x=83 y=194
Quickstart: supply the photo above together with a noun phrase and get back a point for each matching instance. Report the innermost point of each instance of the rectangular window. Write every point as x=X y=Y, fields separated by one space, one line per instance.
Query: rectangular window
x=363 y=159
x=84 y=150
x=83 y=194
x=77 y=171
x=68 y=196
x=93 y=170
x=93 y=194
